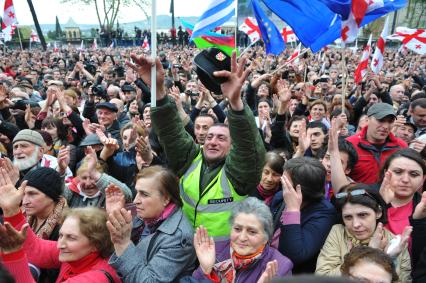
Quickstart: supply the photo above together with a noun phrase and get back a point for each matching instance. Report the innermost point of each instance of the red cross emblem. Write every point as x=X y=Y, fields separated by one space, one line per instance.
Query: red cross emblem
x=416 y=35
x=376 y=62
x=11 y=15
x=286 y=32
x=418 y=46
x=253 y=28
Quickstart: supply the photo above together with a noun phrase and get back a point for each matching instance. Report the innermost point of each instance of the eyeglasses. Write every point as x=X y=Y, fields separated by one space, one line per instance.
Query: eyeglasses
x=354 y=193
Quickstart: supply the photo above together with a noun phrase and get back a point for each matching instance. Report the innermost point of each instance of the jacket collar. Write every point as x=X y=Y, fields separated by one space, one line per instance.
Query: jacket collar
x=170 y=225
x=390 y=139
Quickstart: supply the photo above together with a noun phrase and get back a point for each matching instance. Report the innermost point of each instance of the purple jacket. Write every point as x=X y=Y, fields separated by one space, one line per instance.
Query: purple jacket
x=252 y=275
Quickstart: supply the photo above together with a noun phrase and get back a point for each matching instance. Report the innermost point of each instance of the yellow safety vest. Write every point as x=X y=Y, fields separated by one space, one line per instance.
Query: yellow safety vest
x=213 y=207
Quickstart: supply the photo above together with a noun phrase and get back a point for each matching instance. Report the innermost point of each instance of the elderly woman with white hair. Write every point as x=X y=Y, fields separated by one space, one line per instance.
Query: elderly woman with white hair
x=249 y=256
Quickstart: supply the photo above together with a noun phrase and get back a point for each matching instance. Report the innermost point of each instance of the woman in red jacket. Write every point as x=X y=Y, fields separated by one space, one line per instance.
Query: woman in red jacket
x=81 y=252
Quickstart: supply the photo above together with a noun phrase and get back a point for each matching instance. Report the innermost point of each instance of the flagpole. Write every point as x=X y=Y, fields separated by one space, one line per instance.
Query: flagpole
x=291 y=60
x=236 y=26
x=248 y=47
x=154 y=53
x=344 y=81
x=19 y=35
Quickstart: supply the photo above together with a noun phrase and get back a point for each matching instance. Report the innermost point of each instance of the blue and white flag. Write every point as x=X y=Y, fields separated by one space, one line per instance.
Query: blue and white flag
x=217 y=13
x=271 y=36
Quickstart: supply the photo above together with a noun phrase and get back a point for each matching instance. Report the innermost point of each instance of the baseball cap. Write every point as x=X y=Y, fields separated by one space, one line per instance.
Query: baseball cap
x=380 y=111
x=209 y=61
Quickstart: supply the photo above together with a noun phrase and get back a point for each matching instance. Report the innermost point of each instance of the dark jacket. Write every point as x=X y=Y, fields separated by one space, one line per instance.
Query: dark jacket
x=370 y=157
x=301 y=241
x=253 y=273
x=418 y=250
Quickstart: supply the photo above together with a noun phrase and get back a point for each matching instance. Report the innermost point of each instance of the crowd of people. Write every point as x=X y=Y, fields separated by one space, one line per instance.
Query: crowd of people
x=290 y=169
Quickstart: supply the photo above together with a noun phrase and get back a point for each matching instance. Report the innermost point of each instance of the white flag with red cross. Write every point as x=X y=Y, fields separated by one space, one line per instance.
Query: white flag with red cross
x=9 y=15
x=250 y=27
x=145 y=44
x=377 y=60
x=294 y=59
x=362 y=68
x=414 y=39
x=288 y=35
x=34 y=37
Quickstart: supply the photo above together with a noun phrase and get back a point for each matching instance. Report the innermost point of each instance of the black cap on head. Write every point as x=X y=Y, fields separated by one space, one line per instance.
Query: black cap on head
x=127 y=88
x=107 y=105
x=46 y=180
x=209 y=61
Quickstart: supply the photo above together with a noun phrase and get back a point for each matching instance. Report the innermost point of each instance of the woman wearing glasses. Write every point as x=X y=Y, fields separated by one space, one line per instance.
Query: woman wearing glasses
x=363 y=212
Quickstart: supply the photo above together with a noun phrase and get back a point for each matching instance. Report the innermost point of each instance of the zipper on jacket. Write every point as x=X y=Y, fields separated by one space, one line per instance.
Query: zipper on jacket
x=201 y=196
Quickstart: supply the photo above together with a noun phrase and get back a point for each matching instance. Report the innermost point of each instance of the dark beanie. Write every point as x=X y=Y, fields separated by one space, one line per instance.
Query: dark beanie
x=46 y=180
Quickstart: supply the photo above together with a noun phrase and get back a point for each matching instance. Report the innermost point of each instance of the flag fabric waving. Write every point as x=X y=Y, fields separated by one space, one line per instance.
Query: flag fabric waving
x=145 y=44
x=34 y=37
x=414 y=39
x=225 y=43
x=271 y=36
x=82 y=45
x=8 y=32
x=9 y=15
x=95 y=44
x=294 y=57
x=217 y=13
x=362 y=68
x=288 y=34
x=250 y=27
x=377 y=60
x=317 y=23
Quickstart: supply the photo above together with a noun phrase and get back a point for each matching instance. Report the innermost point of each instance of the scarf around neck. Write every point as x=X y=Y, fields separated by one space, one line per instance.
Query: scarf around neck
x=267 y=195
x=80 y=266
x=226 y=270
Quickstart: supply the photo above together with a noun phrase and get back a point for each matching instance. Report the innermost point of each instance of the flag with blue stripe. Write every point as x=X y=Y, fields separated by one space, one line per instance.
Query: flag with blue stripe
x=271 y=36
x=217 y=13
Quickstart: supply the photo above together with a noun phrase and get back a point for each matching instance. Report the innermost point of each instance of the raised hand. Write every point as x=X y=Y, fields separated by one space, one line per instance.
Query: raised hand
x=292 y=197
x=10 y=197
x=420 y=210
x=110 y=144
x=11 y=170
x=142 y=65
x=119 y=225
x=304 y=140
x=378 y=240
x=401 y=243
x=29 y=117
x=269 y=273
x=231 y=89
x=114 y=198
x=63 y=159
x=205 y=249
x=12 y=240
x=386 y=190
x=144 y=149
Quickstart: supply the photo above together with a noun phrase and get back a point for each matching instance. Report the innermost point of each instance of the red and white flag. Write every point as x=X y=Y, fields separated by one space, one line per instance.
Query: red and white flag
x=294 y=59
x=288 y=35
x=34 y=37
x=377 y=60
x=55 y=47
x=8 y=32
x=9 y=16
x=359 y=8
x=362 y=68
x=414 y=39
x=250 y=27
x=95 y=44
x=145 y=44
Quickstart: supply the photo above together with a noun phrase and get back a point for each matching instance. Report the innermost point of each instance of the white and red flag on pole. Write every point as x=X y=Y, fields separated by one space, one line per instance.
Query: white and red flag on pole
x=362 y=68
x=288 y=35
x=9 y=16
x=294 y=59
x=55 y=47
x=414 y=39
x=95 y=44
x=377 y=60
x=34 y=37
x=250 y=27
x=145 y=44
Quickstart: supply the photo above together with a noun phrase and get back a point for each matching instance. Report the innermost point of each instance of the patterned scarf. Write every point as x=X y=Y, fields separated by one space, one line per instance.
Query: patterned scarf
x=225 y=271
x=50 y=223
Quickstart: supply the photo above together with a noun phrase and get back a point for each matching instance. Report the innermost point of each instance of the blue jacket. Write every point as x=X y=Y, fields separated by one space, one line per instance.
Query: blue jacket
x=301 y=243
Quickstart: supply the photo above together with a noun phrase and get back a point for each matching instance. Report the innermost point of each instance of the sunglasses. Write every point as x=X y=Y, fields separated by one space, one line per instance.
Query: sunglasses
x=354 y=193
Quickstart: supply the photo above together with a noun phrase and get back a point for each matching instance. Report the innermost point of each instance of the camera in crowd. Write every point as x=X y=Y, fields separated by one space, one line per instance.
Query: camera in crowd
x=100 y=91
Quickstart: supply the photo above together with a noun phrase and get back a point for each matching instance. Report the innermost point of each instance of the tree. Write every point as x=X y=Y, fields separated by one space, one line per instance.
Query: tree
x=107 y=10
x=416 y=14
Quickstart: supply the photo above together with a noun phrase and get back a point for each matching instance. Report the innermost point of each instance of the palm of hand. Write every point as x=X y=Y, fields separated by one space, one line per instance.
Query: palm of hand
x=9 y=196
x=231 y=88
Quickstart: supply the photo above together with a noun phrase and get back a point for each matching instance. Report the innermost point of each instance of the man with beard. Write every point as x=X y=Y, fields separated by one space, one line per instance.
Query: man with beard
x=28 y=154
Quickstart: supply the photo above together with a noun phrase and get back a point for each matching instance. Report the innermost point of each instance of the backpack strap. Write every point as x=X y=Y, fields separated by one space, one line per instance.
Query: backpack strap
x=108 y=275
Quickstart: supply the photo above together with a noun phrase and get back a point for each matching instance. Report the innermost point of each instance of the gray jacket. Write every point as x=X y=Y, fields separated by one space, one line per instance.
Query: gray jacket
x=163 y=256
x=76 y=199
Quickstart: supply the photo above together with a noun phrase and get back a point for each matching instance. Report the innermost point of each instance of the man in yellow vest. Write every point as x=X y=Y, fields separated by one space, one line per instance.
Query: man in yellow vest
x=227 y=168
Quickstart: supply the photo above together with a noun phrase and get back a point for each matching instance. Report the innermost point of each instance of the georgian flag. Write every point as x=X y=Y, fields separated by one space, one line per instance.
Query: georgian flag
x=55 y=47
x=34 y=37
x=145 y=44
x=288 y=35
x=377 y=60
x=294 y=58
x=8 y=32
x=9 y=16
x=362 y=68
x=95 y=44
x=250 y=27
x=414 y=39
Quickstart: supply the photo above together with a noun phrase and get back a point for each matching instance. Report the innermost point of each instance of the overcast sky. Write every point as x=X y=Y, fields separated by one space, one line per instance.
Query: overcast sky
x=47 y=10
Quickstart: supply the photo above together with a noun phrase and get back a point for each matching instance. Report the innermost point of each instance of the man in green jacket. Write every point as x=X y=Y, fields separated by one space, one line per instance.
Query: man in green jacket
x=227 y=168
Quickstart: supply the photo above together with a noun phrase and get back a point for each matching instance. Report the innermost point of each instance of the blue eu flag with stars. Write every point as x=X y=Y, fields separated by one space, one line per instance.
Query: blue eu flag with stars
x=274 y=43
